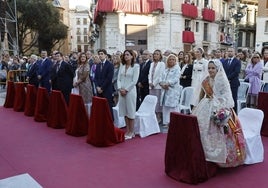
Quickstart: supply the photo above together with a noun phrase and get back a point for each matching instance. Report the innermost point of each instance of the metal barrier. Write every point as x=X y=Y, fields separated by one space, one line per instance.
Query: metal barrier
x=15 y=76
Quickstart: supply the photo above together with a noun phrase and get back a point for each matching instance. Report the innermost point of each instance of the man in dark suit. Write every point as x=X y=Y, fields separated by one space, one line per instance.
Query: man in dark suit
x=33 y=71
x=232 y=67
x=61 y=76
x=44 y=66
x=143 y=81
x=103 y=78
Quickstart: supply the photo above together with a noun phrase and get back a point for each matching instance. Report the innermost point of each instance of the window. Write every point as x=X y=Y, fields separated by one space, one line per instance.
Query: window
x=85 y=39
x=240 y=39
x=205 y=37
x=206 y=3
x=248 y=39
x=142 y=42
x=266 y=26
x=85 y=31
x=77 y=21
x=86 y=48
x=78 y=31
x=84 y=21
x=187 y=24
x=78 y=39
x=197 y=27
x=79 y=49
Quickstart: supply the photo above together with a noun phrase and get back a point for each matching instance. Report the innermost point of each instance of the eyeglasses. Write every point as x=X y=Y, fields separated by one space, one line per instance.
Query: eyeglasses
x=256 y=57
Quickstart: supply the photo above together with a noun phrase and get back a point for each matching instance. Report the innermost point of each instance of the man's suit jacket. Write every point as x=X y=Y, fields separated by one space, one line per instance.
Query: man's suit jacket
x=32 y=74
x=188 y=73
x=63 y=79
x=144 y=72
x=103 y=79
x=232 y=71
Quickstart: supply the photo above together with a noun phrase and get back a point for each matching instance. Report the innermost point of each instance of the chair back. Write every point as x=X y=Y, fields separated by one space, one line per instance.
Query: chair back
x=262 y=85
x=186 y=96
x=148 y=105
x=251 y=120
x=243 y=90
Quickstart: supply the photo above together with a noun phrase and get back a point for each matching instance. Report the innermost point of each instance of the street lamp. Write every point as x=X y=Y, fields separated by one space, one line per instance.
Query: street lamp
x=237 y=12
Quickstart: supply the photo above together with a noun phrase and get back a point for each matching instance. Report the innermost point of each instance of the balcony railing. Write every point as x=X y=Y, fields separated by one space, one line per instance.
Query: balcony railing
x=208 y=14
x=188 y=37
x=189 y=10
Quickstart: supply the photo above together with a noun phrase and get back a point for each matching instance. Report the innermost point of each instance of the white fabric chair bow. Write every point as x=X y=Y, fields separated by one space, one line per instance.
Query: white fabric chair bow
x=251 y=122
x=145 y=120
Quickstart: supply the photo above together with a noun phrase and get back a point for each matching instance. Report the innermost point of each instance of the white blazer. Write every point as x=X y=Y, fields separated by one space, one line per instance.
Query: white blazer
x=159 y=70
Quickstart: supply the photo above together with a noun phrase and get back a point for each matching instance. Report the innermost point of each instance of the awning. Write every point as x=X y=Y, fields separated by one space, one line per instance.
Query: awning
x=128 y=6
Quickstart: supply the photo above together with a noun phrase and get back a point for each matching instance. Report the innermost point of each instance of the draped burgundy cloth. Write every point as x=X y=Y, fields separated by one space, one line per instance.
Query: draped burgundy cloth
x=188 y=37
x=189 y=10
x=57 y=110
x=41 y=107
x=102 y=132
x=77 y=122
x=133 y=6
x=20 y=96
x=262 y=105
x=208 y=14
x=30 y=101
x=184 y=155
x=10 y=95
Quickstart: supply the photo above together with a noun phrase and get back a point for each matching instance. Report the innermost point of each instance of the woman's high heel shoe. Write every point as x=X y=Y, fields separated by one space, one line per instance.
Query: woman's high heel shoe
x=130 y=136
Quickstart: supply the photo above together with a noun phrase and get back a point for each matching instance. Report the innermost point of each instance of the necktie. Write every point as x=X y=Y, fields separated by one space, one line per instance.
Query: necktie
x=101 y=66
x=229 y=61
x=57 y=66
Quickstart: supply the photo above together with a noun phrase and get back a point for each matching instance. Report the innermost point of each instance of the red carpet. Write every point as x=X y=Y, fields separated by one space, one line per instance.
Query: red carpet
x=57 y=160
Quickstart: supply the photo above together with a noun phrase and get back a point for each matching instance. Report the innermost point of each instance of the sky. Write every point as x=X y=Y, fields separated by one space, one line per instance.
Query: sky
x=74 y=3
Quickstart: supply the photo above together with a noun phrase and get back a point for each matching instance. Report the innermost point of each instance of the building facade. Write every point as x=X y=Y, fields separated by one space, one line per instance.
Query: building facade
x=177 y=25
x=262 y=26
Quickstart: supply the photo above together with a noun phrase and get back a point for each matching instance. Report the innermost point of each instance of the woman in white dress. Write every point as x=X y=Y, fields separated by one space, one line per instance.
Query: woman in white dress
x=170 y=84
x=157 y=68
x=221 y=134
x=199 y=71
x=127 y=79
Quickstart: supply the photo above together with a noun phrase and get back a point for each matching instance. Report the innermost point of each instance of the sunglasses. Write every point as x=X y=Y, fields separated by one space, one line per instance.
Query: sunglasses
x=256 y=57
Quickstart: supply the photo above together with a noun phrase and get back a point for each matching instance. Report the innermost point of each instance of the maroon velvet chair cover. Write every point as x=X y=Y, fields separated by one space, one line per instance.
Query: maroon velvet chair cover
x=102 y=131
x=77 y=121
x=30 y=101
x=41 y=107
x=10 y=94
x=262 y=105
x=57 y=110
x=20 y=96
x=184 y=155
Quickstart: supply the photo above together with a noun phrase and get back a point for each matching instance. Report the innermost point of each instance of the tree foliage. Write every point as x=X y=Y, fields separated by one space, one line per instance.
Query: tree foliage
x=40 y=20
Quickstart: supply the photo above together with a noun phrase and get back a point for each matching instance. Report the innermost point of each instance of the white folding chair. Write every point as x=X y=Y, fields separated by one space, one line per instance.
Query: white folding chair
x=242 y=95
x=186 y=99
x=251 y=122
x=118 y=120
x=262 y=85
x=145 y=120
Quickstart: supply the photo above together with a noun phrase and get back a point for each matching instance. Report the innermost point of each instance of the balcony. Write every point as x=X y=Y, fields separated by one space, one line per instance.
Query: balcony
x=208 y=14
x=189 y=10
x=188 y=37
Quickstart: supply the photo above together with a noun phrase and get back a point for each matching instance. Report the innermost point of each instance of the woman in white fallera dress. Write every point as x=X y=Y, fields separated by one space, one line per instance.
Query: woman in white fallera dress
x=170 y=84
x=199 y=71
x=127 y=79
x=157 y=68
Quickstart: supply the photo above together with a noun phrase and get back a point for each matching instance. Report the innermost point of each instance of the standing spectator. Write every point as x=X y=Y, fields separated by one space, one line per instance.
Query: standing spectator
x=170 y=92
x=103 y=78
x=127 y=79
x=232 y=67
x=61 y=76
x=265 y=68
x=4 y=68
x=33 y=71
x=73 y=60
x=83 y=82
x=186 y=71
x=157 y=68
x=243 y=57
x=44 y=66
x=96 y=60
x=116 y=63
x=181 y=59
x=253 y=76
x=143 y=81
x=199 y=71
